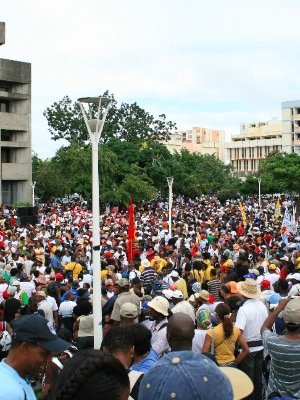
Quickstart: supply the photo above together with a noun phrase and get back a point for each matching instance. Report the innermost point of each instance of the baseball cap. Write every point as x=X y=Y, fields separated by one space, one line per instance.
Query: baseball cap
x=250 y=276
x=291 y=312
x=272 y=267
x=59 y=276
x=160 y=305
x=123 y=282
x=174 y=377
x=177 y=294
x=265 y=284
x=36 y=329
x=129 y=310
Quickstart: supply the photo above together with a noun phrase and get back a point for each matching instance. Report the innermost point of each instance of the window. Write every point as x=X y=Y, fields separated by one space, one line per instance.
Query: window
x=4 y=106
x=260 y=151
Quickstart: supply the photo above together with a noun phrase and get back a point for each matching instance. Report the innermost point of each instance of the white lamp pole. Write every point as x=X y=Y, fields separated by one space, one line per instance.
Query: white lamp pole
x=170 y=180
x=94 y=128
x=259 y=194
x=33 y=186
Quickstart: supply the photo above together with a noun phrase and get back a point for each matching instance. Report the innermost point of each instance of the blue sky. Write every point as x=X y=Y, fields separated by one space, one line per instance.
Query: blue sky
x=215 y=64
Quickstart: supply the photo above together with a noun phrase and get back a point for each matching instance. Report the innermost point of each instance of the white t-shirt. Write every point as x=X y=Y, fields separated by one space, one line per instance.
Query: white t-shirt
x=51 y=300
x=198 y=340
x=249 y=319
x=46 y=307
x=66 y=308
x=28 y=287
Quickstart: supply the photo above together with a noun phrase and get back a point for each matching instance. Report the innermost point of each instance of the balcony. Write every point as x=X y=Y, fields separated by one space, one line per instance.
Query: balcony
x=296 y=117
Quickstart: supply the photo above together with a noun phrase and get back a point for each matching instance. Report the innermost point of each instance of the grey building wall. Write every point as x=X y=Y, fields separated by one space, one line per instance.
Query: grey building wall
x=2 y=33
x=15 y=130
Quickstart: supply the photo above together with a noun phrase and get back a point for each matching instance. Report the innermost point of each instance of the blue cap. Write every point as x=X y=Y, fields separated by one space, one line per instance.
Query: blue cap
x=185 y=375
x=250 y=275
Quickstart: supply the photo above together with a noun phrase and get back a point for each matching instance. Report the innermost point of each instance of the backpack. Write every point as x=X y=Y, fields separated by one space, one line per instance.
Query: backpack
x=5 y=338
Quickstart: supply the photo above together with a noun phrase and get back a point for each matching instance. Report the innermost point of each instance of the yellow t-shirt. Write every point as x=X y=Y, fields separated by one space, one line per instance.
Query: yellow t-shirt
x=224 y=348
x=198 y=275
x=75 y=267
x=161 y=263
x=207 y=272
x=181 y=285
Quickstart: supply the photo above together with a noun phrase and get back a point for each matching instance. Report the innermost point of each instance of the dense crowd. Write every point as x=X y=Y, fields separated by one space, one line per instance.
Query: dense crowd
x=210 y=311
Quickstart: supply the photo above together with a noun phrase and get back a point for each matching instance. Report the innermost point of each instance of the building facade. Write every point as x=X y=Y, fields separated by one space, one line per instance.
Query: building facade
x=15 y=130
x=200 y=140
x=254 y=143
x=290 y=111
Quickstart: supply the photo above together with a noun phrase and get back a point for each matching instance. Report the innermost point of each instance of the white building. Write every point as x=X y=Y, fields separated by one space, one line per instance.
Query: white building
x=291 y=126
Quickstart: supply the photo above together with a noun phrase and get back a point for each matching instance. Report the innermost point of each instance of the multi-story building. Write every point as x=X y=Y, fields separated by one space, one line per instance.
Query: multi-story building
x=201 y=140
x=255 y=142
x=15 y=129
x=291 y=126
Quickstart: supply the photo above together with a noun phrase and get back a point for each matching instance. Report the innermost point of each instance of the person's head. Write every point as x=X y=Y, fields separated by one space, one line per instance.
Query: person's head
x=281 y=286
x=33 y=340
x=40 y=295
x=213 y=273
x=119 y=343
x=141 y=339
x=203 y=319
x=92 y=374
x=177 y=296
x=180 y=332
x=123 y=285
x=291 y=315
x=203 y=297
x=223 y=313
x=158 y=308
x=128 y=313
x=174 y=376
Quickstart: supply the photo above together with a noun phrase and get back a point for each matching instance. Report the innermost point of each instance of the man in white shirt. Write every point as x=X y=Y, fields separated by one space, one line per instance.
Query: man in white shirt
x=250 y=318
x=44 y=305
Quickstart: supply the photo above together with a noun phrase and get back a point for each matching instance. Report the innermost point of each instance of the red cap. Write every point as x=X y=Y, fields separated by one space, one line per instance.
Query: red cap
x=59 y=276
x=265 y=284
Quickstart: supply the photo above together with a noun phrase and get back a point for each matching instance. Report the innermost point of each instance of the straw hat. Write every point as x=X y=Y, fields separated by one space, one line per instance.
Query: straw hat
x=249 y=289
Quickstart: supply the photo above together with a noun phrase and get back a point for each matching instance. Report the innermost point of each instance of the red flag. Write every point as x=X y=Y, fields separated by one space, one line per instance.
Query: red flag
x=131 y=231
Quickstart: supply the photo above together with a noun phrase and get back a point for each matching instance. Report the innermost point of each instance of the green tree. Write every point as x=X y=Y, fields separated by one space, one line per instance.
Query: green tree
x=279 y=172
x=128 y=122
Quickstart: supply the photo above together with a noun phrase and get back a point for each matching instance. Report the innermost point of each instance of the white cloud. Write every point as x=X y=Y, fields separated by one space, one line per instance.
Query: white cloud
x=215 y=64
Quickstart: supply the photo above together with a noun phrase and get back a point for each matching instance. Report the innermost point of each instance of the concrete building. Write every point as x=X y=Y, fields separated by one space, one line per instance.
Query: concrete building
x=254 y=143
x=201 y=140
x=290 y=111
x=15 y=129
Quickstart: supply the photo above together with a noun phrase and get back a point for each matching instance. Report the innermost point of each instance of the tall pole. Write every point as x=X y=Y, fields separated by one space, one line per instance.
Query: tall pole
x=94 y=127
x=33 y=186
x=259 y=194
x=170 y=184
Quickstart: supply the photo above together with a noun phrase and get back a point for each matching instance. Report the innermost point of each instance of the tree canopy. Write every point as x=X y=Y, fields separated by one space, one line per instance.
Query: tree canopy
x=127 y=122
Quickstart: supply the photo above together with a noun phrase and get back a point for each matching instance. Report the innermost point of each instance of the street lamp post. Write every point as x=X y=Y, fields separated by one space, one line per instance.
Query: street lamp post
x=94 y=127
x=170 y=180
x=259 y=194
x=33 y=186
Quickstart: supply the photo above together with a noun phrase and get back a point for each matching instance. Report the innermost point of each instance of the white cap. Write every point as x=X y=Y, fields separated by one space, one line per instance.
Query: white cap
x=174 y=274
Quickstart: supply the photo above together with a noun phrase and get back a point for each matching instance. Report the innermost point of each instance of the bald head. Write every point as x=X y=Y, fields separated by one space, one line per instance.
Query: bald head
x=180 y=332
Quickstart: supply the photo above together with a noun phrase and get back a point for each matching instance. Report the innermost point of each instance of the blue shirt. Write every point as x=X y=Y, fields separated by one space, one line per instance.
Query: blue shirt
x=13 y=386
x=147 y=363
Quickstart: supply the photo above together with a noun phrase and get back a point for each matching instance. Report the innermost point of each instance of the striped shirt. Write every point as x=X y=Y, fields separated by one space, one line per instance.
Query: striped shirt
x=214 y=288
x=148 y=276
x=285 y=364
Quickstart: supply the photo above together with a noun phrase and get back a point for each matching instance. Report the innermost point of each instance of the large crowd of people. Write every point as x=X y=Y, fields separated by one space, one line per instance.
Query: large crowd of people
x=208 y=309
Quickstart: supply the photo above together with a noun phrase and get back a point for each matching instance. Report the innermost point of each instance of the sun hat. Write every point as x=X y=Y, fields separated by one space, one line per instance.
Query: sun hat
x=38 y=330
x=145 y=263
x=204 y=295
x=174 y=377
x=123 y=282
x=233 y=288
x=160 y=304
x=129 y=310
x=291 y=312
x=41 y=293
x=174 y=274
x=249 y=289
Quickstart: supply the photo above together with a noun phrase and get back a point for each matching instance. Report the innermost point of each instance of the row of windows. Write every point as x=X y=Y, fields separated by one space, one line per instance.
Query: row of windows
x=253 y=152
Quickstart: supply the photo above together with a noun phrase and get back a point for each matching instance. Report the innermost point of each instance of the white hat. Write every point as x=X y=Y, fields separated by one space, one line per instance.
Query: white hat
x=160 y=305
x=295 y=276
x=145 y=263
x=177 y=294
x=174 y=274
x=167 y=293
